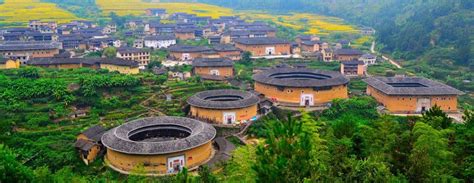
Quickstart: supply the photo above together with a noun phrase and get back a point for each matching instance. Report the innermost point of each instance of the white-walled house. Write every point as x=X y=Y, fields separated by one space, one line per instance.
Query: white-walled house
x=368 y=59
x=160 y=41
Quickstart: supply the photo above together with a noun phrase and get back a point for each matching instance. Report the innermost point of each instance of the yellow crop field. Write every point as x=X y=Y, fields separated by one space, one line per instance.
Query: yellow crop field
x=22 y=11
x=138 y=7
x=309 y=23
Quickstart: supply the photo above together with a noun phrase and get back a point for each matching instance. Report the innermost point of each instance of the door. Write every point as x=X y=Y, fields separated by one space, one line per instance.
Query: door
x=270 y=50
x=423 y=104
x=185 y=56
x=229 y=118
x=215 y=72
x=176 y=164
x=307 y=100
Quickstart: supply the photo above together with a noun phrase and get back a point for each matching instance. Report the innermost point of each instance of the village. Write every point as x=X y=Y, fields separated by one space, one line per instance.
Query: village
x=182 y=46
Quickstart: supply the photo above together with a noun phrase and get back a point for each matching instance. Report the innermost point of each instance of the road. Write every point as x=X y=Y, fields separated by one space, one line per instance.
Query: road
x=391 y=61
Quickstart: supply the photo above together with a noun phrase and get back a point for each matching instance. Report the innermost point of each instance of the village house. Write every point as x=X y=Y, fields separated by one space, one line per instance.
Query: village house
x=299 y=39
x=186 y=52
x=215 y=39
x=217 y=69
x=7 y=63
x=28 y=50
x=229 y=36
x=228 y=51
x=109 y=29
x=368 y=59
x=409 y=95
x=88 y=143
x=159 y=41
x=347 y=54
x=73 y=41
x=264 y=46
x=327 y=54
x=353 y=68
x=139 y=55
x=185 y=33
x=157 y=12
x=367 y=31
x=38 y=25
x=310 y=46
x=159 y=28
x=113 y=65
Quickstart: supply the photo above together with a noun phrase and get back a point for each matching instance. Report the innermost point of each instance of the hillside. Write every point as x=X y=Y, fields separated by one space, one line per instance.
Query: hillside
x=19 y=12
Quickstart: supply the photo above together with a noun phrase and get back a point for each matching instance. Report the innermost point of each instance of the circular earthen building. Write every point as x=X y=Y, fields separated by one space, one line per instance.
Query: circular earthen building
x=162 y=145
x=301 y=86
x=226 y=107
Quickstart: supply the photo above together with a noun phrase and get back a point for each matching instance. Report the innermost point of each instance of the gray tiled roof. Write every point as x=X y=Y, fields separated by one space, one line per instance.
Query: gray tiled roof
x=424 y=86
x=261 y=41
x=204 y=99
x=90 y=61
x=29 y=46
x=188 y=48
x=300 y=77
x=160 y=37
x=212 y=62
x=348 y=52
x=117 y=138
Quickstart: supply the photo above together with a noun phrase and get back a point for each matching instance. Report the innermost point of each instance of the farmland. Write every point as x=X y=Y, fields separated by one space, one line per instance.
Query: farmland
x=19 y=12
x=303 y=22
x=138 y=7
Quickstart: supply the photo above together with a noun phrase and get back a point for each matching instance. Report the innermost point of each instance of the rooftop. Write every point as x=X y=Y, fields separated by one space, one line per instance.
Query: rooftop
x=26 y=46
x=94 y=132
x=261 y=41
x=212 y=62
x=160 y=37
x=187 y=48
x=223 y=99
x=300 y=77
x=158 y=135
x=130 y=50
x=89 y=61
x=410 y=86
x=348 y=52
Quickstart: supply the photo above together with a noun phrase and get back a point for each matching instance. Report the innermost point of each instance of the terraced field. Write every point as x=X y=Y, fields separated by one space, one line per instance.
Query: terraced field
x=138 y=7
x=19 y=12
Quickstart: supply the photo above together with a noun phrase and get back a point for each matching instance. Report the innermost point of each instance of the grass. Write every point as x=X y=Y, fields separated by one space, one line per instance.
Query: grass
x=20 y=12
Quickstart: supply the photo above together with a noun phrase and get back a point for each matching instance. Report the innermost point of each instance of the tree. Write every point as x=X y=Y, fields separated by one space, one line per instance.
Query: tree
x=28 y=72
x=285 y=156
x=205 y=175
x=239 y=168
x=154 y=64
x=430 y=158
x=11 y=170
x=246 y=57
x=110 y=52
x=437 y=118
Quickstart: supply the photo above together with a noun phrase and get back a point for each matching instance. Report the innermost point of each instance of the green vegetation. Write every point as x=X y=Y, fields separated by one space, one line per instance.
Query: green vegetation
x=80 y=8
x=38 y=126
x=350 y=142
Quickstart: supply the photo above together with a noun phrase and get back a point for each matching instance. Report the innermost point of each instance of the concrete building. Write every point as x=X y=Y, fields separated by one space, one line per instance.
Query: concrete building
x=139 y=55
x=412 y=94
x=301 y=86
x=162 y=145
x=368 y=59
x=160 y=41
x=227 y=107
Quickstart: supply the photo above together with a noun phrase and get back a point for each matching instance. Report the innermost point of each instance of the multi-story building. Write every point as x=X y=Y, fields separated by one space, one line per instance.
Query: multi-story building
x=141 y=56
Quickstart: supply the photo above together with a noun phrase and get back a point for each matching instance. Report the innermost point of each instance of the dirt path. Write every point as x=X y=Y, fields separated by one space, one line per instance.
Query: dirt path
x=391 y=61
